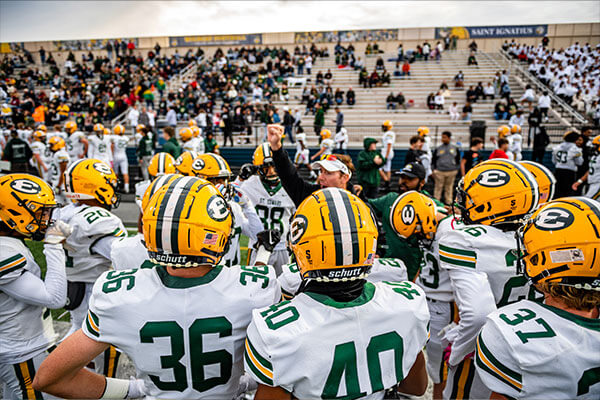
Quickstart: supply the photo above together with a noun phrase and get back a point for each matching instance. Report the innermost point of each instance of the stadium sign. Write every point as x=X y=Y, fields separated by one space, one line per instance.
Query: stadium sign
x=484 y=32
x=215 y=40
x=359 y=35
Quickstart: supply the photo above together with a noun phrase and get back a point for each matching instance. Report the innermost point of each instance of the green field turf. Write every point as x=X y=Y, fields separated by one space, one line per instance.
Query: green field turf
x=37 y=251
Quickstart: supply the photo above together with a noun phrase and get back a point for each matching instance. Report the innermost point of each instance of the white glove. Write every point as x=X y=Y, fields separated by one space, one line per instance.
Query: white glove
x=137 y=388
x=239 y=196
x=57 y=232
x=246 y=384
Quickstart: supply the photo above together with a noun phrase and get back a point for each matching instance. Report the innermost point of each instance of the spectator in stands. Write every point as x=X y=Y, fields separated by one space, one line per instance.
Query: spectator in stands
x=319 y=120
x=471 y=95
x=500 y=152
x=327 y=78
x=339 y=119
x=400 y=53
x=42 y=55
x=338 y=96
x=517 y=119
x=473 y=46
x=500 y=111
x=430 y=101
x=385 y=77
x=453 y=111
x=467 y=111
x=472 y=60
x=319 y=79
x=459 y=80
x=144 y=151
x=406 y=68
x=379 y=64
x=528 y=97
x=471 y=157
x=445 y=163
x=401 y=100
x=369 y=162
x=391 y=101
x=363 y=77
x=544 y=104
x=374 y=79
x=489 y=91
x=439 y=103
x=288 y=124
x=505 y=91
x=309 y=64
x=426 y=49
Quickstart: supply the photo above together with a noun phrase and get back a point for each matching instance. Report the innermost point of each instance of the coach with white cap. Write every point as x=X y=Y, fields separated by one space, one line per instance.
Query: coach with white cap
x=334 y=170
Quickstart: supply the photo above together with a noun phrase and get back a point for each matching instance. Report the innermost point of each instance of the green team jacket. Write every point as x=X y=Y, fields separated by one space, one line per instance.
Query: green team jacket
x=405 y=249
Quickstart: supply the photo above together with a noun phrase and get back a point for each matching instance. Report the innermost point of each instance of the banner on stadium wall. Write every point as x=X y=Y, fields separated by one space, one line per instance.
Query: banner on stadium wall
x=484 y=32
x=11 y=47
x=215 y=40
x=364 y=35
x=90 y=44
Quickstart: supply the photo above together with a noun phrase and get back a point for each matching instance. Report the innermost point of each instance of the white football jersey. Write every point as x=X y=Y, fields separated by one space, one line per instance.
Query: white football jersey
x=140 y=189
x=199 y=145
x=100 y=148
x=533 y=351
x=315 y=347
x=90 y=224
x=25 y=329
x=129 y=252
x=594 y=171
x=53 y=174
x=25 y=134
x=434 y=280
x=232 y=257
x=273 y=206
x=383 y=269
x=329 y=146
x=153 y=316
x=567 y=156
x=389 y=137
x=74 y=145
x=120 y=148
x=190 y=145
x=42 y=149
x=60 y=134
x=515 y=146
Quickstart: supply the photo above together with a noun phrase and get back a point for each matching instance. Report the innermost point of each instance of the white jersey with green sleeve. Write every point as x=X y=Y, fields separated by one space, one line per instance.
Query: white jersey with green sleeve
x=315 y=347
x=273 y=206
x=100 y=148
x=129 y=252
x=481 y=263
x=57 y=159
x=594 y=171
x=74 y=145
x=25 y=329
x=90 y=225
x=434 y=280
x=185 y=336
x=383 y=269
x=529 y=350
x=328 y=145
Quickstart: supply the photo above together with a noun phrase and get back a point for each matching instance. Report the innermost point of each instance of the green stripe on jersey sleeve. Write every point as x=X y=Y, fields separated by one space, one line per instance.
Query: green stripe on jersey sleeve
x=458 y=252
x=460 y=263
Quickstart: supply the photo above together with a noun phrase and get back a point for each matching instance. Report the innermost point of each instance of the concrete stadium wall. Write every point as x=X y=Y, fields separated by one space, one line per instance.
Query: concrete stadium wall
x=560 y=35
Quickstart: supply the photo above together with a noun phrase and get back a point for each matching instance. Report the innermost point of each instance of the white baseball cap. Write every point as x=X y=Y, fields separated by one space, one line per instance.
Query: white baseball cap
x=331 y=163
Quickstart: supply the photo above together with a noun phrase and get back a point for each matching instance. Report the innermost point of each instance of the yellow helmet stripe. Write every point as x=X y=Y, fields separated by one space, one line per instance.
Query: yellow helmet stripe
x=166 y=213
x=344 y=227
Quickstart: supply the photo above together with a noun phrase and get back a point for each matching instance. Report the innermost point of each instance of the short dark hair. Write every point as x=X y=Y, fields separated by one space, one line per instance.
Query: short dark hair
x=416 y=139
x=502 y=141
x=447 y=133
x=169 y=131
x=476 y=140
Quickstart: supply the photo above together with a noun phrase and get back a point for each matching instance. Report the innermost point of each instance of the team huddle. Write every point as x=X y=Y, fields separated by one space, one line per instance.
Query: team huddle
x=505 y=303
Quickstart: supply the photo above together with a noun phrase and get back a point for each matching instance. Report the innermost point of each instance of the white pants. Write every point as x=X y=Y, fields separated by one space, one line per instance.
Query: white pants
x=121 y=166
x=441 y=314
x=593 y=191
x=17 y=378
x=387 y=167
x=301 y=157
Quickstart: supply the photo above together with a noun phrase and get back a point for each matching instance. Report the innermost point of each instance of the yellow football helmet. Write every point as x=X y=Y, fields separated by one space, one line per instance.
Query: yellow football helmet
x=98 y=128
x=192 y=122
x=194 y=232
x=596 y=143
x=195 y=131
x=56 y=143
x=119 y=129
x=139 y=128
x=161 y=164
x=497 y=192
x=333 y=236
x=183 y=164
x=387 y=125
x=263 y=159
x=70 y=127
x=40 y=136
x=560 y=243
x=515 y=129
x=423 y=131
x=27 y=203
x=210 y=166
x=42 y=128
x=156 y=184
x=414 y=213
x=325 y=133
x=186 y=134
x=106 y=131
x=545 y=179
x=92 y=179
x=503 y=131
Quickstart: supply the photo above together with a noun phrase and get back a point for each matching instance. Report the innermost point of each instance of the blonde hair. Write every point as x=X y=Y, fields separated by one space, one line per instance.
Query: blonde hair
x=579 y=299
x=347 y=160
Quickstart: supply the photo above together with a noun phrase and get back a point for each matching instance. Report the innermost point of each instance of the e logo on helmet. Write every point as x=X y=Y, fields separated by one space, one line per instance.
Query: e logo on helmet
x=407 y=214
x=102 y=168
x=198 y=164
x=554 y=219
x=217 y=208
x=25 y=186
x=493 y=178
x=297 y=228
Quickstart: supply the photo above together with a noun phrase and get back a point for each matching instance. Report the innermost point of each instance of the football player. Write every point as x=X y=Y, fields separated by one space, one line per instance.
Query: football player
x=215 y=169
x=505 y=132
x=529 y=350
x=327 y=341
x=41 y=154
x=592 y=175
x=544 y=178
x=58 y=165
x=183 y=163
x=160 y=164
x=91 y=183
x=327 y=145
x=26 y=331
x=515 y=144
x=427 y=156
x=77 y=143
x=187 y=137
x=198 y=141
x=388 y=140
x=302 y=154
x=187 y=308
x=119 y=148
x=99 y=145
x=272 y=203
x=494 y=198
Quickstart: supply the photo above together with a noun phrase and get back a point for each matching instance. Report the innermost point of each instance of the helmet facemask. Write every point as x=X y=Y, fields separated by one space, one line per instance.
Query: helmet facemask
x=41 y=217
x=263 y=172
